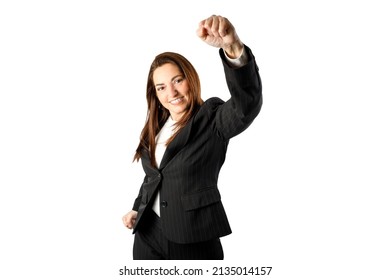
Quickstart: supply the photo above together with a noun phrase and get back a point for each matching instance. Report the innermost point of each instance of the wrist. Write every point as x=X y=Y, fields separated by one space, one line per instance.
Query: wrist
x=235 y=50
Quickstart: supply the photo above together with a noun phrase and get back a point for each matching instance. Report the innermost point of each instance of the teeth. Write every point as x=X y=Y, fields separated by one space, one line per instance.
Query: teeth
x=177 y=100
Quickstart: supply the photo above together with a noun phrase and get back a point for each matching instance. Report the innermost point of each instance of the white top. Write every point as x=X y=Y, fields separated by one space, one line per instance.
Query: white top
x=168 y=129
x=161 y=144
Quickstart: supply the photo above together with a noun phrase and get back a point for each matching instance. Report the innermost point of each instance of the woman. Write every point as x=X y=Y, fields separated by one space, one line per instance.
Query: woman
x=178 y=213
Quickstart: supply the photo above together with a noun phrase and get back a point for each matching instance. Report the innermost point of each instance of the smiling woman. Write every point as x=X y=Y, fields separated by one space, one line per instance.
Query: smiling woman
x=172 y=89
x=178 y=213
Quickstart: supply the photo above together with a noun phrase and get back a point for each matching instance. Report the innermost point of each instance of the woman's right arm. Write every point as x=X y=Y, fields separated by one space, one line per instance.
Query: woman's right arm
x=129 y=218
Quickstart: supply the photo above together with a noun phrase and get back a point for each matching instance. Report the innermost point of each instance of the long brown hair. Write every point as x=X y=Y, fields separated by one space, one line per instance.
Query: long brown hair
x=157 y=114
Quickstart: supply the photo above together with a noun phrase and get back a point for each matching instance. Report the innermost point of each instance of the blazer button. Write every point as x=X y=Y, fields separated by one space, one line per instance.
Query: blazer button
x=164 y=203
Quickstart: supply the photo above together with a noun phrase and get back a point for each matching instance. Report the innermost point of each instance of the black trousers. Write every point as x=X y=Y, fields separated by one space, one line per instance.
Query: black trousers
x=151 y=244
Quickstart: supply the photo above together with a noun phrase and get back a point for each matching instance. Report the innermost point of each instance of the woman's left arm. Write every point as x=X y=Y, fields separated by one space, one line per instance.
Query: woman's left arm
x=244 y=83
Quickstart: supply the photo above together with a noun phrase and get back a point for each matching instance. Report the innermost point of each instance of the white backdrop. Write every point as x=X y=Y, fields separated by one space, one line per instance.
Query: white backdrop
x=312 y=203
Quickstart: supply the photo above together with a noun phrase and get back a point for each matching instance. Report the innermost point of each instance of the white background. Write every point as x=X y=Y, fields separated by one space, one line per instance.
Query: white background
x=305 y=187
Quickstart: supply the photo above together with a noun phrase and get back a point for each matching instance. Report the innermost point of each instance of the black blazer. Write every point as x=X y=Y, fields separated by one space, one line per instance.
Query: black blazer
x=190 y=203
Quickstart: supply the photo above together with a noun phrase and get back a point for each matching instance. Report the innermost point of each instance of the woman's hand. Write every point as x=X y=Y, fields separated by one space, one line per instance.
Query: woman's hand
x=129 y=219
x=217 y=31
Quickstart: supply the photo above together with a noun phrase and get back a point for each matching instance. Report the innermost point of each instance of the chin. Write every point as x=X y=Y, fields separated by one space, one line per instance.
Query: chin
x=179 y=110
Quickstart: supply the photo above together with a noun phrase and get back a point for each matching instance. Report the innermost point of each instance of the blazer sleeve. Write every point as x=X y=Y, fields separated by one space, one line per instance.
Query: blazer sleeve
x=244 y=84
x=137 y=201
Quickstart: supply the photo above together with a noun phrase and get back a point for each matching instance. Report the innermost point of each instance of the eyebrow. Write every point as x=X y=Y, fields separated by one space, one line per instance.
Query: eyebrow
x=174 y=77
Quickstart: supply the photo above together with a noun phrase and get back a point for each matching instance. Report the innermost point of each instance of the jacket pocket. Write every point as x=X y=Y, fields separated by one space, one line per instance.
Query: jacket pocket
x=200 y=198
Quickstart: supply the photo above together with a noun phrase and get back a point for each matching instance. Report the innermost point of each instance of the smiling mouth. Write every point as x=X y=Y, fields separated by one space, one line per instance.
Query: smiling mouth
x=176 y=100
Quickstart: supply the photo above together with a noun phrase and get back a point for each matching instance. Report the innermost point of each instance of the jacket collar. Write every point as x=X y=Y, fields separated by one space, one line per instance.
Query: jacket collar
x=176 y=145
x=172 y=149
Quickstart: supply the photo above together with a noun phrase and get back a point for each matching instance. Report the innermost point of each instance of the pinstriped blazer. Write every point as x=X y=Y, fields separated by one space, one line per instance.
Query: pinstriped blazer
x=190 y=202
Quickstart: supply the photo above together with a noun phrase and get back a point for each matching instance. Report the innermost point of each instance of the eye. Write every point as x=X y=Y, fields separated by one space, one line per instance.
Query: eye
x=160 y=88
x=178 y=81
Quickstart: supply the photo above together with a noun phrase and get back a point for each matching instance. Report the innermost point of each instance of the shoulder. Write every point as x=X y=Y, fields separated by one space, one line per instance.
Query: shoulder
x=208 y=108
x=212 y=103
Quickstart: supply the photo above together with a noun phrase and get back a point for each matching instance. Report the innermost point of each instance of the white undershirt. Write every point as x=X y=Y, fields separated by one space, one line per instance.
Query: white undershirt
x=161 y=144
x=168 y=129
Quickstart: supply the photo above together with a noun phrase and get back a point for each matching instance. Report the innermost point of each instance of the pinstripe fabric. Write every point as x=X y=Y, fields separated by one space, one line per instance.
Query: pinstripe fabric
x=191 y=208
x=151 y=244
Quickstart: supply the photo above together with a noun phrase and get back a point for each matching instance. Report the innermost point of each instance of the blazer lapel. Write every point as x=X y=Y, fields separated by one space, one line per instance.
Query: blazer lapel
x=147 y=165
x=176 y=145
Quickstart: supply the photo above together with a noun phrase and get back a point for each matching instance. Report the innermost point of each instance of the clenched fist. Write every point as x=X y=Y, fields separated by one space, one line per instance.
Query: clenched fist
x=217 y=31
x=129 y=219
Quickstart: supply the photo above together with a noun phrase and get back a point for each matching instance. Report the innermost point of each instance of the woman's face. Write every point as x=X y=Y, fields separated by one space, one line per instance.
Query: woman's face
x=172 y=89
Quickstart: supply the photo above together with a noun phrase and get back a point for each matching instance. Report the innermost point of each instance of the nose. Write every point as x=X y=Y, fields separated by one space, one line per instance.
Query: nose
x=172 y=91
